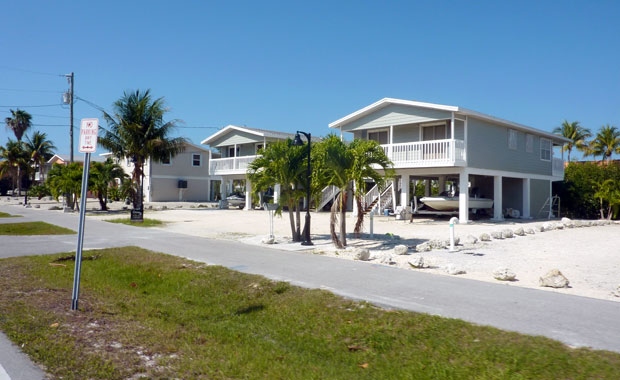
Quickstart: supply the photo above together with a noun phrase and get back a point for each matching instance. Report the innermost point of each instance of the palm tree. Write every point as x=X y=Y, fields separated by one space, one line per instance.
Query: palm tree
x=14 y=158
x=605 y=143
x=336 y=161
x=607 y=191
x=576 y=133
x=19 y=122
x=40 y=149
x=65 y=180
x=137 y=131
x=366 y=153
x=102 y=175
x=282 y=163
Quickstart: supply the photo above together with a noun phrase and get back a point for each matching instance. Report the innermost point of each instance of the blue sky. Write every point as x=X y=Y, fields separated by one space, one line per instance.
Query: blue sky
x=298 y=66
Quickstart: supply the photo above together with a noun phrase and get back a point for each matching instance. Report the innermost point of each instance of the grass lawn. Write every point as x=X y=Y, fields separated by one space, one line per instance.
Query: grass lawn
x=160 y=316
x=146 y=223
x=5 y=215
x=33 y=228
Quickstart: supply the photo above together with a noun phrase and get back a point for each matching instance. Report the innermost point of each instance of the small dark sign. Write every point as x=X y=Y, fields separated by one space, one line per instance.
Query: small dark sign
x=137 y=215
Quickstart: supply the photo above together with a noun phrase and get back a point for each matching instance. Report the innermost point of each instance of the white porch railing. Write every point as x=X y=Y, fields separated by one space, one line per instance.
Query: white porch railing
x=328 y=194
x=427 y=153
x=231 y=165
x=557 y=167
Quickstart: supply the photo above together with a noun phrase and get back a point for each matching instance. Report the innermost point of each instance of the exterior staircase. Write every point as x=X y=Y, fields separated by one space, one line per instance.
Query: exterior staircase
x=328 y=194
x=377 y=198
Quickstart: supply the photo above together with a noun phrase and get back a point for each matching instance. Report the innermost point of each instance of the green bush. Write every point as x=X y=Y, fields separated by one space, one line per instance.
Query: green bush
x=39 y=191
x=577 y=190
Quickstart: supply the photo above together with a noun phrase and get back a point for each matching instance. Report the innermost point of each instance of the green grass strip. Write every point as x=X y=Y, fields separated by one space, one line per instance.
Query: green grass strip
x=5 y=215
x=146 y=223
x=33 y=228
x=160 y=316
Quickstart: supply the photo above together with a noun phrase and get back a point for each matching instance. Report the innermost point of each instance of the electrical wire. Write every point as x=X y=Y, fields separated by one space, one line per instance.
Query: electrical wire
x=25 y=90
x=31 y=106
x=97 y=107
x=30 y=71
x=201 y=127
x=41 y=115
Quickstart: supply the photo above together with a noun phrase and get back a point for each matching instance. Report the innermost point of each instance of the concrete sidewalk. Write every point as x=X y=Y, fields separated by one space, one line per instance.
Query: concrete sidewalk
x=15 y=365
x=576 y=321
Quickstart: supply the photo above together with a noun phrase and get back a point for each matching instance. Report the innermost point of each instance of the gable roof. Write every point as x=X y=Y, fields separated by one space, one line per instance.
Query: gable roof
x=76 y=158
x=254 y=131
x=109 y=154
x=460 y=110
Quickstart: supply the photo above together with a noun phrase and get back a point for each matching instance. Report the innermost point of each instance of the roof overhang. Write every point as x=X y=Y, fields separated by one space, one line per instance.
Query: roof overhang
x=457 y=110
x=54 y=159
x=227 y=129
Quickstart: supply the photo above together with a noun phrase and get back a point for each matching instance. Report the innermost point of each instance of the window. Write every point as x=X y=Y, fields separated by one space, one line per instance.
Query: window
x=512 y=139
x=258 y=147
x=529 y=143
x=434 y=132
x=545 y=150
x=196 y=159
x=231 y=152
x=380 y=136
x=166 y=161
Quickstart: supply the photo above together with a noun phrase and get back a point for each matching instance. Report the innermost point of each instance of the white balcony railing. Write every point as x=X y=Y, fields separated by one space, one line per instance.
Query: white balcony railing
x=557 y=167
x=427 y=153
x=231 y=165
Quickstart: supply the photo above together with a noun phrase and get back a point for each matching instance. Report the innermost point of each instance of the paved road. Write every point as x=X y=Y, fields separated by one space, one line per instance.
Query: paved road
x=577 y=321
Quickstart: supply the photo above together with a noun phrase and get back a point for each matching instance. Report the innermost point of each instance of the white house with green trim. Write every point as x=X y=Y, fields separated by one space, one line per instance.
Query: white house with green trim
x=511 y=163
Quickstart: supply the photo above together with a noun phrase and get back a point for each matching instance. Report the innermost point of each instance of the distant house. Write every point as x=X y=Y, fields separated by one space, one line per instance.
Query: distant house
x=482 y=155
x=237 y=147
x=184 y=177
x=64 y=159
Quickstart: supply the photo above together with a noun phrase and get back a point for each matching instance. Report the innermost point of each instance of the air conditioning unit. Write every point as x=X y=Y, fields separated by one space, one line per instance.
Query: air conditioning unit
x=182 y=184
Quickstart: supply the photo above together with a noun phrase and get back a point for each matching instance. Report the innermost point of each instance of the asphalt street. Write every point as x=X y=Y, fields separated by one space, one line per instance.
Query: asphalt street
x=576 y=321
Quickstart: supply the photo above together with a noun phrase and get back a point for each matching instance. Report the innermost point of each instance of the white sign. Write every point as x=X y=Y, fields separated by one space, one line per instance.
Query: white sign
x=88 y=135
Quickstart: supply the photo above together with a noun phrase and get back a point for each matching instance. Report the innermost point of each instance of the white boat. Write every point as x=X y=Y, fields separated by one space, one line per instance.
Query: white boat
x=452 y=203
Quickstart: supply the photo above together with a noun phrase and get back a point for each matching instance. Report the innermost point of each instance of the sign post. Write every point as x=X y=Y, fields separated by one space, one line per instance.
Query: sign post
x=88 y=144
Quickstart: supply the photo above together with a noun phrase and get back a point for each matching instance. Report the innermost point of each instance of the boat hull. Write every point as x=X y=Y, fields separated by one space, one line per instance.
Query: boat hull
x=452 y=203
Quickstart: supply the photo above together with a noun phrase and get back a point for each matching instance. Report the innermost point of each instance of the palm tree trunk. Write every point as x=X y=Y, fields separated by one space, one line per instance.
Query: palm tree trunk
x=360 y=217
x=19 y=180
x=102 y=202
x=333 y=219
x=298 y=218
x=291 y=218
x=343 y=218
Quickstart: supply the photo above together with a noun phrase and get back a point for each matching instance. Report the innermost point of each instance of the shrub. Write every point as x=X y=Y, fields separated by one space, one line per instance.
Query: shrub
x=39 y=191
x=577 y=191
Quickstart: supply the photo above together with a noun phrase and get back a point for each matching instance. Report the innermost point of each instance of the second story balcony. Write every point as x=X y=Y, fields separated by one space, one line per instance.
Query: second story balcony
x=448 y=152
x=230 y=165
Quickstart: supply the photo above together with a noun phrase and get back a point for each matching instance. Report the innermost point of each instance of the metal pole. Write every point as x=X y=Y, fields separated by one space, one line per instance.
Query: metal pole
x=307 y=240
x=71 y=77
x=80 y=243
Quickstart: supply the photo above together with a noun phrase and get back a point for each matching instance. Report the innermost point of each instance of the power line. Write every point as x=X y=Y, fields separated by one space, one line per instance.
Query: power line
x=41 y=115
x=200 y=127
x=30 y=71
x=97 y=107
x=40 y=105
x=50 y=125
x=25 y=90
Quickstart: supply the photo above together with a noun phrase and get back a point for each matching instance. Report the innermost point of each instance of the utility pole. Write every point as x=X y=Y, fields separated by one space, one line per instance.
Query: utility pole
x=71 y=78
